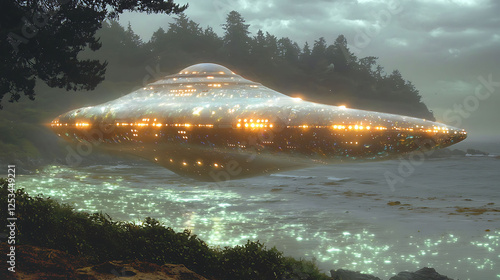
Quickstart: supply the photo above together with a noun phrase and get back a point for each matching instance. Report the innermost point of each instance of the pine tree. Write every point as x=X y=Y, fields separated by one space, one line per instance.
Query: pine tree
x=236 y=39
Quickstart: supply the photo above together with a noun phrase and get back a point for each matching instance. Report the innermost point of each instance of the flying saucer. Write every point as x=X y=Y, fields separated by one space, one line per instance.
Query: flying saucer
x=210 y=124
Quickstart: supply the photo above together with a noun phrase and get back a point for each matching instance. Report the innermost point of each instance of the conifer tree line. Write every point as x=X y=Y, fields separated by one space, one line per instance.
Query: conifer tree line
x=317 y=72
x=320 y=72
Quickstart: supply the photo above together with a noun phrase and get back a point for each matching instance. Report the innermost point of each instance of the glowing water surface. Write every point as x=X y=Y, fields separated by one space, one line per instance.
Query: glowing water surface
x=343 y=216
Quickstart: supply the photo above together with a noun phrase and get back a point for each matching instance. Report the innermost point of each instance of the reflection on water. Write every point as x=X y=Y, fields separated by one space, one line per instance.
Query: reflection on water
x=340 y=222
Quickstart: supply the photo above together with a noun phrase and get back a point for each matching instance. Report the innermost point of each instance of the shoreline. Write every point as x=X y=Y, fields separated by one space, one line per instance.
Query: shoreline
x=45 y=263
x=298 y=207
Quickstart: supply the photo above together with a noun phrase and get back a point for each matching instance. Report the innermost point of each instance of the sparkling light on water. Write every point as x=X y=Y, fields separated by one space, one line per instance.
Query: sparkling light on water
x=302 y=216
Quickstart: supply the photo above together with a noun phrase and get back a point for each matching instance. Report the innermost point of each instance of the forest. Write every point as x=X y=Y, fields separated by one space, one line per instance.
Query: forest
x=318 y=72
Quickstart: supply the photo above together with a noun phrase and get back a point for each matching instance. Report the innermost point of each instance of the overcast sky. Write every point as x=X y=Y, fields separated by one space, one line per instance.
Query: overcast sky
x=450 y=49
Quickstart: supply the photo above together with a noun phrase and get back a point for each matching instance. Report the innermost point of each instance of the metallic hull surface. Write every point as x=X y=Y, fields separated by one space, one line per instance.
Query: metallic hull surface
x=211 y=124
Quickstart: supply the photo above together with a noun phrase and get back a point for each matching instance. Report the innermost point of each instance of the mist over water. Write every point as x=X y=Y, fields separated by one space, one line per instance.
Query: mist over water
x=484 y=142
x=445 y=214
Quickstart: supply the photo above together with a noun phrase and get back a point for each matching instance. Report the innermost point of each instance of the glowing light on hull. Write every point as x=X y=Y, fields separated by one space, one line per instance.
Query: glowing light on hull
x=239 y=128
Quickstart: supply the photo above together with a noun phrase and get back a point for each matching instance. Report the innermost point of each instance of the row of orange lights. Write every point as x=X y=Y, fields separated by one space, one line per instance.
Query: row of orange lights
x=160 y=125
x=253 y=125
x=197 y=72
x=58 y=124
x=258 y=123
x=198 y=162
x=252 y=120
x=183 y=90
x=357 y=127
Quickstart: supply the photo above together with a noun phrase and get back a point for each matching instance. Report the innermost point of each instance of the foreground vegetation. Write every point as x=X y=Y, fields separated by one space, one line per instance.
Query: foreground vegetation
x=47 y=223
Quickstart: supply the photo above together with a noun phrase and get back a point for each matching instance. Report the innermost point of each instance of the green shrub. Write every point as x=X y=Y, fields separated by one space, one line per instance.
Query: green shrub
x=302 y=269
x=252 y=261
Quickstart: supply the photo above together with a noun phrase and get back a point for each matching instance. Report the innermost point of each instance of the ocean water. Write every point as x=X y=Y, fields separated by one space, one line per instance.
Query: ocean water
x=379 y=218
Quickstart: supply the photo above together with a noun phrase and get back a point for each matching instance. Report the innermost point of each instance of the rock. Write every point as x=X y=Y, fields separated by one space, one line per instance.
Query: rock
x=138 y=270
x=393 y=203
x=476 y=152
x=422 y=274
x=116 y=268
x=457 y=152
x=42 y=263
x=446 y=153
x=342 y=274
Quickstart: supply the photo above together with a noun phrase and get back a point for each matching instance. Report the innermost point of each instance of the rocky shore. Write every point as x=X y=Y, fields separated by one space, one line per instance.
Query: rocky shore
x=43 y=263
x=422 y=274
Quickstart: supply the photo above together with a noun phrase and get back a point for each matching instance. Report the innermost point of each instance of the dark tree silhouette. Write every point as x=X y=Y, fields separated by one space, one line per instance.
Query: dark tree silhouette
x=288 y=50
x=318 y=54
x=183 y=43
x=342 y=57
x=41 y=39
x=326 y=73
x=236 y=39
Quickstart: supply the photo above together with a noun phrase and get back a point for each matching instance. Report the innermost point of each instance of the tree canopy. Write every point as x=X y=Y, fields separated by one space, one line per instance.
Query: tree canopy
x=321 y=72
x=41 y=40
